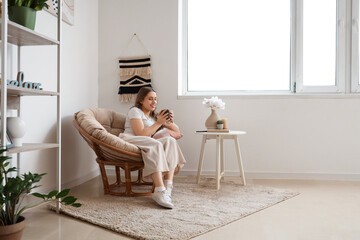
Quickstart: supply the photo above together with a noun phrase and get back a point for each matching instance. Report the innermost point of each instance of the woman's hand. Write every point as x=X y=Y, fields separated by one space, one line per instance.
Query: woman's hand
x=170 y=123
x=162 y=117
x=170 y=118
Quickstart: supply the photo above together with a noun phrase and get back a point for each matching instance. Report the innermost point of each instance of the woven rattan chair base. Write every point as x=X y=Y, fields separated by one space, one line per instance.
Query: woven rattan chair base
x=129 y=185
x=106 y=157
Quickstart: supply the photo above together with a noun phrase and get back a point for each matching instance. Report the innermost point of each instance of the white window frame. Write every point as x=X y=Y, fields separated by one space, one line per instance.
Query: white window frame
x=182 y=48
x=296 y=65
x=355 y=86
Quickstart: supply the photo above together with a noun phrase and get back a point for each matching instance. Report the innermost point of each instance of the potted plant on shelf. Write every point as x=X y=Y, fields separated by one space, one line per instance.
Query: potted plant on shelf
x=219 y=124
x=23 y=12
x=13 y=190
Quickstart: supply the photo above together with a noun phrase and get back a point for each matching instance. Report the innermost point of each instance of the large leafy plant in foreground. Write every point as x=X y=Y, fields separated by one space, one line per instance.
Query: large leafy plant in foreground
x=13 y=190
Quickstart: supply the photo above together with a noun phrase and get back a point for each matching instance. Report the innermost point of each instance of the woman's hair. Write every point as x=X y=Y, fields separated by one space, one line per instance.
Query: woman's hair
x=143 y=92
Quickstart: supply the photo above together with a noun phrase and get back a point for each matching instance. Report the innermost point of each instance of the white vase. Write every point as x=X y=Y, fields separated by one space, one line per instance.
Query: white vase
x=211 y=122
x=17 y=128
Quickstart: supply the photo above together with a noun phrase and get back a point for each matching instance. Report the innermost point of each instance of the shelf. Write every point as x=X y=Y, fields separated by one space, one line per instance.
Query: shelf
x=18 y=35
x=22 y=36
x=32 y=147
x=19 y=91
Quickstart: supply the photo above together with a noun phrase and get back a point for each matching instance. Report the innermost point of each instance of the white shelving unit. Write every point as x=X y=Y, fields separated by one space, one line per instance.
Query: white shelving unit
x=17 y=35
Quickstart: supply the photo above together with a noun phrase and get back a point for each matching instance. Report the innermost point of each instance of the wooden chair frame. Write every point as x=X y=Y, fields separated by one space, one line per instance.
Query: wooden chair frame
x=105 y=158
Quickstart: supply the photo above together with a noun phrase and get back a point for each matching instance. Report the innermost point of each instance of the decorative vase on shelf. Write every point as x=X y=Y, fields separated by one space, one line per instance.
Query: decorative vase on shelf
x=17 y=128
x=211 y=121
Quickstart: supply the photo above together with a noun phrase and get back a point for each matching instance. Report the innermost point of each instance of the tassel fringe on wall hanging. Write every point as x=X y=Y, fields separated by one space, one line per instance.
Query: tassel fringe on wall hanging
x=135 y=73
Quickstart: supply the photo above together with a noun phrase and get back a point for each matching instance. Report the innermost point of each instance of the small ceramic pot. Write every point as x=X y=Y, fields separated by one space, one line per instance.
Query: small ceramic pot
x=17 y=128
x=220 y=126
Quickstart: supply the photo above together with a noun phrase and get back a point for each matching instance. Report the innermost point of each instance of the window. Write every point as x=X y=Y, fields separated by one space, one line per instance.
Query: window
x=319 y=43
x=239 y=46
x=355 y=63
x=228 y=42
x=320 y=49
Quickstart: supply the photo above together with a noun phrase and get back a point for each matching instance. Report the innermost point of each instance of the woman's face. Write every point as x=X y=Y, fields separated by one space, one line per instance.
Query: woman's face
x=150 y=101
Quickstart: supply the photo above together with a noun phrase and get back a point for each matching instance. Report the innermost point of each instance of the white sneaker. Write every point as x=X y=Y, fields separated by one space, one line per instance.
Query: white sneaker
x=169 y=190
x=163 y=199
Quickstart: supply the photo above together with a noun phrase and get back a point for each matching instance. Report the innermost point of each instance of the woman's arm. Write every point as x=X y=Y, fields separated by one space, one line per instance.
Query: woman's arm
x=170 y=123
x=137 y=126
x=172 y=126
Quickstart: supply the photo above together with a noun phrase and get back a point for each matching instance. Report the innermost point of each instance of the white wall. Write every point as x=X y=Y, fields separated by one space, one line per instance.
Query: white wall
x=287 y=137
x=79 y=90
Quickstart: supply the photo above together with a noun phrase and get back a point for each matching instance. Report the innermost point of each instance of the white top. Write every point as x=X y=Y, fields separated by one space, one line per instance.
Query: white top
x=138 y=114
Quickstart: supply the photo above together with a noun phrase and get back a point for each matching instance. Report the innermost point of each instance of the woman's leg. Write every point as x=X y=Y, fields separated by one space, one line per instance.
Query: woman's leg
x=160 y=194
x=168 y=182
x=155 y=162
x=173 y=154
x=157 y=179
x=174 y=158
x=152 y=152
x=169 y=175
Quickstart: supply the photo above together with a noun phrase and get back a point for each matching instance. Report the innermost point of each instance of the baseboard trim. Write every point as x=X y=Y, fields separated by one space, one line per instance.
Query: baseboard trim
x=274 y=175
x=73 y=183
x=279 y=175
x=94 y=173
x=31 y=200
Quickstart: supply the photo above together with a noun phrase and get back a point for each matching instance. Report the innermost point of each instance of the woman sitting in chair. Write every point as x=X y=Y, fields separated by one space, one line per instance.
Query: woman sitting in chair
x=161 y=156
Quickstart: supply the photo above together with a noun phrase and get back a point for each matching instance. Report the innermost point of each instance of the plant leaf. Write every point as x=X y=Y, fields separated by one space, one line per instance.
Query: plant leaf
x=63 y=193
x=52 y=194
x=39 y=195
x=69 y=200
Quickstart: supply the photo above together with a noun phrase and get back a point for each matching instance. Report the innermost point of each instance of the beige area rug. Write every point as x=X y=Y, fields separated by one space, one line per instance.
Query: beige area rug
x=199 y=208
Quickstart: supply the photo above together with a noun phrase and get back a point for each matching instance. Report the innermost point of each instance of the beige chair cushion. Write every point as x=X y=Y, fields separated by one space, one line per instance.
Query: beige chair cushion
x=106 y=125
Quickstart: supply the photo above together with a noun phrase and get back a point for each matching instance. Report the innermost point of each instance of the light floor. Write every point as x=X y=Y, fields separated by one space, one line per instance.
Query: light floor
x=323 y=210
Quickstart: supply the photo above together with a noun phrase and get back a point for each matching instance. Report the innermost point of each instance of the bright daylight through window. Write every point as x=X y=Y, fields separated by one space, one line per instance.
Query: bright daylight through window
x=319 y=42
x=237 y=45
x=262 y=45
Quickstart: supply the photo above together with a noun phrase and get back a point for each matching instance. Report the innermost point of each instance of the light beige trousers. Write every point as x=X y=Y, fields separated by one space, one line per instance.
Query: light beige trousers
x=159 y=155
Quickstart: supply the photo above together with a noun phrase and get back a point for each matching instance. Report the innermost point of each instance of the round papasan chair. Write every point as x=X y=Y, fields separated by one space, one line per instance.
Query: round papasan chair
x=100 y=128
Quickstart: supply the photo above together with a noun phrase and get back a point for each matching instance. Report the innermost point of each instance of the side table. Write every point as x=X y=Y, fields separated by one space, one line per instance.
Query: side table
x=220 y=136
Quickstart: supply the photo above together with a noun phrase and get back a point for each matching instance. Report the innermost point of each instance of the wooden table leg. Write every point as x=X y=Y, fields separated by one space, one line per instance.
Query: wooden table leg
x=218 y=176
x=201 y=158
x=237 y=147
x=222 y=157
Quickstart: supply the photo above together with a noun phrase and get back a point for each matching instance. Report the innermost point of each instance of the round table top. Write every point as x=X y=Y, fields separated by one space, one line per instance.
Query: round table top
x=231 y=132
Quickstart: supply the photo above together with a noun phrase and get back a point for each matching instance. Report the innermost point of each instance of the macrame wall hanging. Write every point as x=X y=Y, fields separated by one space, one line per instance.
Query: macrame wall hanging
x=135 y=73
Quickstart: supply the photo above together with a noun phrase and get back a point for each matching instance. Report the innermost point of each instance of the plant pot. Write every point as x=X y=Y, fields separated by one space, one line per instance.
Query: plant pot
x=13 y=231
x=23 y=15
x=211 y=122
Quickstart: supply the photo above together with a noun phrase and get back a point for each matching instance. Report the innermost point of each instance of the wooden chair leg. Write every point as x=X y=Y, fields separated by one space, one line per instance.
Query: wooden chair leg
x=128 y=179
x=140 y=176
x=112 y=189
x=104 y=178
x=118 y=178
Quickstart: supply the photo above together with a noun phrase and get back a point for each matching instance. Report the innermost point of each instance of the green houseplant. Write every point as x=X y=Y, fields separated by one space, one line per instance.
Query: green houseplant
x=219 y=124
x=23 y=12
x=13 y=190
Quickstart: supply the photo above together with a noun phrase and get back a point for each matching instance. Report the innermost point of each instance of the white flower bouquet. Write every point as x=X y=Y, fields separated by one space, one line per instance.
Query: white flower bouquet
x=214 y=103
